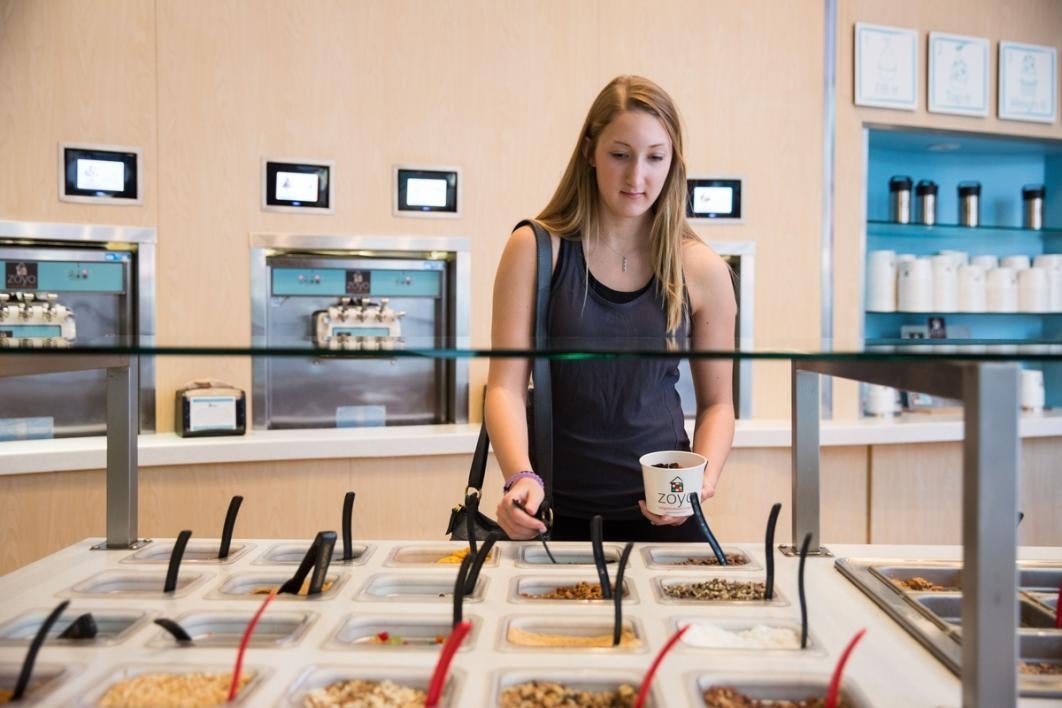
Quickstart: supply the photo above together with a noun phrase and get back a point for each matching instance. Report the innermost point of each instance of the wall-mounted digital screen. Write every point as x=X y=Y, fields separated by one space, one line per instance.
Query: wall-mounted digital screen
x=91 y=174
x=297 y=187
x=424 y=192
x=290 y=185
x=713 y=199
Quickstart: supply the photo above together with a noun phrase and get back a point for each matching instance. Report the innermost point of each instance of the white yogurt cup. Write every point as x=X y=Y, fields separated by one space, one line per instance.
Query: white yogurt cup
x=667 y=490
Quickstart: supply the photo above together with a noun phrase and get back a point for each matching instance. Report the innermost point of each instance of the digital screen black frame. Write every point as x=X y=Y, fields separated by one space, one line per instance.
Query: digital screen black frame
x=129 y=158
x=450 y=175
x=322 y=169
x=734 y=184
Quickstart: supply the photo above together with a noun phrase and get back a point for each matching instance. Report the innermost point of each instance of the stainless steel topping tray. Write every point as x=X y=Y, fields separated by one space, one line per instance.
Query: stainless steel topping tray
x=292 y=554
x=777 y=686
x=241 y=586
x=423 y=587
x=113 y=627
x=317 y=677
x=103 y=682
x=932 y=618
x=575 y=627
x=948 y=575
x=47 y=677
x=578 y=679
x=201 y=551
x=543 y=584
x=662 y=582
x=225 y=628
x=813 y=649
x=566 y=554
x=126 y=584
x=947 y=609
x=1040 y=579
x=421 y=631
x=670 y=557
x=428 y=556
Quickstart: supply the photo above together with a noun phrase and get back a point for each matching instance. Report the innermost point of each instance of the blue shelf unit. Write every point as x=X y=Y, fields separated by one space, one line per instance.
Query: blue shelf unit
x=1003 y=165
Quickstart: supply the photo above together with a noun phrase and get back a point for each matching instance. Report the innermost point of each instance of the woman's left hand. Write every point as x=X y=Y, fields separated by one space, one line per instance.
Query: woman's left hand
x=659 y=520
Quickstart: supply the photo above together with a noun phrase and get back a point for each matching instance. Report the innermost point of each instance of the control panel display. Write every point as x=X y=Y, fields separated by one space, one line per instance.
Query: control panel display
x=96 y=174
x=295 y=186
x=710 y=199
x=426 y=191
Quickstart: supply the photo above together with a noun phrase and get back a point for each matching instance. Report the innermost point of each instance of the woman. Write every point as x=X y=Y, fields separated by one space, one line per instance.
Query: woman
x=626 y=265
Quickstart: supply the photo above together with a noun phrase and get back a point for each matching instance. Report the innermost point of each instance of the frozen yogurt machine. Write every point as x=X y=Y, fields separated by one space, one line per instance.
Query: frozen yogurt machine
x=71 y=285
x=359 y=294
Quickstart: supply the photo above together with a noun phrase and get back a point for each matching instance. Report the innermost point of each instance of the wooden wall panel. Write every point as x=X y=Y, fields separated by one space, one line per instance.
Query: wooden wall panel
x=916 y=493
x=74 y=71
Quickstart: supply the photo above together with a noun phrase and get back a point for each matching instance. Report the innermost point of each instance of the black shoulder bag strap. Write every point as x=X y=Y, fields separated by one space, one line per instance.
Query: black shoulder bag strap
x=542 y=401
x=542 y=394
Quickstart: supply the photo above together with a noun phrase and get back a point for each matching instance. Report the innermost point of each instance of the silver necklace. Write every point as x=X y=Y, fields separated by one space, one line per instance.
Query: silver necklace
x=623 y=258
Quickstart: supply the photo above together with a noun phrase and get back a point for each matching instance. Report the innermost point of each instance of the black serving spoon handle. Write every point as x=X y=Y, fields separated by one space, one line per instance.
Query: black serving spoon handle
x=541 y=537
x=322 y=559
x=348 y=524
x=768 y=549
x=84 y=627
x=459 y=588
x=175 y=560
x=800 y=591
x=35 y=646
x=294 y=584
x=230 y=526
x=597 y=533
x=176 y=631
x=698 y=513
x=479 y=560
x=617 y=629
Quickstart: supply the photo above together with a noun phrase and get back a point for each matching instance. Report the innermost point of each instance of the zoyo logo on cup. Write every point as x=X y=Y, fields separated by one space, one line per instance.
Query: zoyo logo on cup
x=669 y=477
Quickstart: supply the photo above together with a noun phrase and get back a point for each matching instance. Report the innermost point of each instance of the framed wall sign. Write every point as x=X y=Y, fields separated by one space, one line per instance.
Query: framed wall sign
x=958 y=74
x=99 y=174
x=297 y=185
x=885 y=62
x=1028 y=82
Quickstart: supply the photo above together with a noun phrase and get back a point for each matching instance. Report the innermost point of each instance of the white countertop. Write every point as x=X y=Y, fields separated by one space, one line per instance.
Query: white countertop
x=837 y=609
x=157 y=449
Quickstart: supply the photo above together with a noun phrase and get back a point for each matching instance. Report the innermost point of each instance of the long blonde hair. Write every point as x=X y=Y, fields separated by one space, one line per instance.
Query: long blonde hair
x=573 y=212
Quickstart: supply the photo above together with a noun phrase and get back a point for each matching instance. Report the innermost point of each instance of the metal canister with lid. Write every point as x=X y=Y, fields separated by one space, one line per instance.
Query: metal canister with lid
x=1032 y=199
x=926 y=196
x=900 y=199
x=969 y=203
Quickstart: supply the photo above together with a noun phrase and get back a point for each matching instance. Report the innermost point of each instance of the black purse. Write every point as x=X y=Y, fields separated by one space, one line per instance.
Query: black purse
x=466 y=520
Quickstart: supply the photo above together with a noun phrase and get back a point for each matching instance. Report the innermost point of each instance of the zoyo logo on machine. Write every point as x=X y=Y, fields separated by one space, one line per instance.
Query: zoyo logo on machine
x=20 y=276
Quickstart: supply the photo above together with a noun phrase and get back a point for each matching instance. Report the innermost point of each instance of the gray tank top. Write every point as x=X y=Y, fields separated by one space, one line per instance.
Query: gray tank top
x=608 y=412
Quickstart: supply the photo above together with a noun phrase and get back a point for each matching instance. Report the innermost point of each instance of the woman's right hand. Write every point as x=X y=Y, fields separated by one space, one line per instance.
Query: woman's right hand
x=520 y=526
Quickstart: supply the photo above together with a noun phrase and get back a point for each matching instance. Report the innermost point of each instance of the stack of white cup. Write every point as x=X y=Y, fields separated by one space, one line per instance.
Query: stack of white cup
x=1032 y=390
x=1052 y=263
x=881 y=281
x=954 y=282
x=915 y=285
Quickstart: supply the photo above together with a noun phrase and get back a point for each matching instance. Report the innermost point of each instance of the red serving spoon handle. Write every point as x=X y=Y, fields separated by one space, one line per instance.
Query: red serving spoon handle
x=442 y=667
x=643 y=690
x=247 y=634
x=833 y=694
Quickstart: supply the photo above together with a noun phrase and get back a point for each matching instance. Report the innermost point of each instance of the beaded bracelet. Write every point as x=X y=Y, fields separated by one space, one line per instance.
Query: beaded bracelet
x=522 y=474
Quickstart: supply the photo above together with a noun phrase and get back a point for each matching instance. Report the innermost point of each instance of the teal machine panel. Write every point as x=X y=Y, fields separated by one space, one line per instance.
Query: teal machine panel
x=60 y=276
x=342 y=282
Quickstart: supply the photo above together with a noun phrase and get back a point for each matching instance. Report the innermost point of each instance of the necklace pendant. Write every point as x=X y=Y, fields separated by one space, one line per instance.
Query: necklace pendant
x=624 y=264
